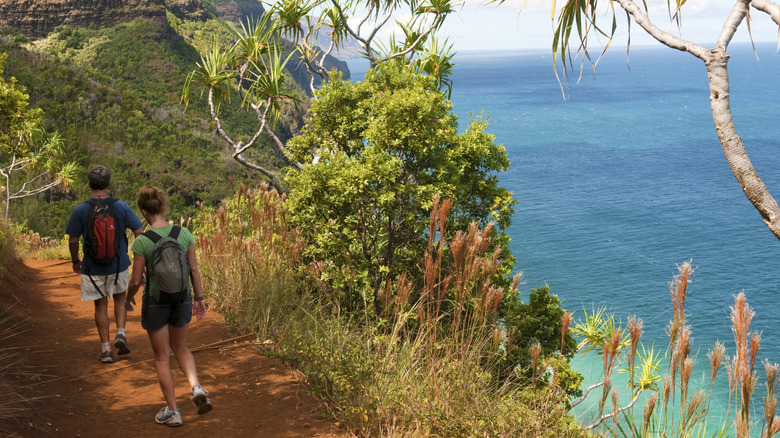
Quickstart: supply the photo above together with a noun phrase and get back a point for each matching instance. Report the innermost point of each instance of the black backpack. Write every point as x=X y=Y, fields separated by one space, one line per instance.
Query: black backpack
x=170 y=268
x=102 y=236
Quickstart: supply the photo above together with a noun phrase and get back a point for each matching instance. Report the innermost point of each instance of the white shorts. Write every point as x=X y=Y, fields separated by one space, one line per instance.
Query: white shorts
x=106 y=285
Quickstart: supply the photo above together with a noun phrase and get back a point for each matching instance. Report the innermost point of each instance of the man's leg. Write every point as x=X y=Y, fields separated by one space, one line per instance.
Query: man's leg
x=118 y=289
x=101 y=319
x=120 y=313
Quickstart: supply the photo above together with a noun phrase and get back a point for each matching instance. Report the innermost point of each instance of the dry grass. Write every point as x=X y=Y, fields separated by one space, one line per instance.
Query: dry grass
x=14 y=407
x=421 y=369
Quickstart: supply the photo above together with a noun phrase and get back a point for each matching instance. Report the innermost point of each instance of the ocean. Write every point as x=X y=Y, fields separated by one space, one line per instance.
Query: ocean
x=624 y=179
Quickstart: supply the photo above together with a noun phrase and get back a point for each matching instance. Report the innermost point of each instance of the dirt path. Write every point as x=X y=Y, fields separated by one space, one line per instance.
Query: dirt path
x=253 y=396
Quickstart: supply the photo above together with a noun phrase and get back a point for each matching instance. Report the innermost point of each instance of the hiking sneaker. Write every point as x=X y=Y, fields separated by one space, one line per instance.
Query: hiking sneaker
x=121 y=345
x=168 y=417
x=201 y=399
x=106 y=356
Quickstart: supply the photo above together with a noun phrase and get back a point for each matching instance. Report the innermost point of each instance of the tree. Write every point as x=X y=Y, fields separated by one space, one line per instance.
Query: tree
x=582 y=16
x=386 y=147
x=255 y=65
x=535 y=334
x=31 y=161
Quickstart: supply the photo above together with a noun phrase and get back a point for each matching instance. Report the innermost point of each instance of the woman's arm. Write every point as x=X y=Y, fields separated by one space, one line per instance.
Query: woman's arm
x=197 y=287
x=198 y=306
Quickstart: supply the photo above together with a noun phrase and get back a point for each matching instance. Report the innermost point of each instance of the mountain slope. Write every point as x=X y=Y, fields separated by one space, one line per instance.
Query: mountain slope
x=114 y=94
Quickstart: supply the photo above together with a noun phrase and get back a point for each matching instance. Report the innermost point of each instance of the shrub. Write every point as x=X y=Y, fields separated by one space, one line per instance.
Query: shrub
x=30 y=244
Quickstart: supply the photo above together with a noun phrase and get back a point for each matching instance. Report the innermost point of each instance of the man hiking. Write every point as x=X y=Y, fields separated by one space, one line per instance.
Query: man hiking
x=102 y=222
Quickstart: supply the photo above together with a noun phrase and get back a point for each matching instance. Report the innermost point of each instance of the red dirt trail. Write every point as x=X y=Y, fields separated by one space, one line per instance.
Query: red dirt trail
x=77 y=396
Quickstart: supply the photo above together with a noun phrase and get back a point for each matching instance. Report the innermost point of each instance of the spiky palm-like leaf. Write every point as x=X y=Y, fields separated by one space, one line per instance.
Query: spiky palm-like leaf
x=214 y=73
x=268 y=83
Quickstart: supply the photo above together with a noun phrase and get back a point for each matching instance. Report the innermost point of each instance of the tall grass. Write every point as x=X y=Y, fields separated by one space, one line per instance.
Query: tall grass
x=249 y=260
x=424 y=368
x=673 y=406
x=14 y=407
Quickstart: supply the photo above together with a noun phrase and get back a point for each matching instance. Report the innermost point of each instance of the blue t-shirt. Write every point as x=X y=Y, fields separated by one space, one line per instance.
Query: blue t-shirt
x=126 y=220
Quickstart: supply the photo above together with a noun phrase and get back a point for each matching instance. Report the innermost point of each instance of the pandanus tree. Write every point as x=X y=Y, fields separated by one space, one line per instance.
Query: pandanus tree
x=577 y=20
x=31 y=160
x=254 y=67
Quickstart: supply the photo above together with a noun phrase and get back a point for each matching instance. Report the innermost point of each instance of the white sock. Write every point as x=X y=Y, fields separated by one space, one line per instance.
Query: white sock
x=106 y=346
x=120 y=331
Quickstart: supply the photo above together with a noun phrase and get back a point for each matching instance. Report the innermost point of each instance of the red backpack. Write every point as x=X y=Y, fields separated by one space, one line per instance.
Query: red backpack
x=102 y=237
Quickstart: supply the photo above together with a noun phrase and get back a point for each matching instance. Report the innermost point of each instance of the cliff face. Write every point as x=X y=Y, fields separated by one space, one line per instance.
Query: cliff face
x=36 y=18
x=239 y=11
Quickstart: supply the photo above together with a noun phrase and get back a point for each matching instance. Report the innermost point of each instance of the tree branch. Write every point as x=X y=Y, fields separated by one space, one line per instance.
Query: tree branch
x=662 y=36
x=769 y=7
x=215 y=117
x=22 y=193
x=585 y=394
x=612 y=414
x=240 y=158
x=738 y=13
x=416 y=43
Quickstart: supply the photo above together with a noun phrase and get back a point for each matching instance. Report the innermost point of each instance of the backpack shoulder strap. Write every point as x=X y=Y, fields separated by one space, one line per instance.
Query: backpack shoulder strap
x=151 y=235
x=175 y=232
x=94 y=203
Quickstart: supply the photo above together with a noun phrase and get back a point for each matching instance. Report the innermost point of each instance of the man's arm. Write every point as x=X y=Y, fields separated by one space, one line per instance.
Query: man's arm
x=73 y=246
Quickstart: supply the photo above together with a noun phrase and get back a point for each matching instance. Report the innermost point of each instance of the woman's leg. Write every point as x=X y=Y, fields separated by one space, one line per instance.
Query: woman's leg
x=178 y=340
x=160 y=339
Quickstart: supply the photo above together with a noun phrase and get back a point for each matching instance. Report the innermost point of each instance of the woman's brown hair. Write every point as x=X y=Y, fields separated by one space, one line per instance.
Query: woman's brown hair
x=153 y=200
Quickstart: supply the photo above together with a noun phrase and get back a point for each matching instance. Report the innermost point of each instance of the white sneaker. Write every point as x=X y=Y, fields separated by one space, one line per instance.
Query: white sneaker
x=168 y=417
x=201 y=399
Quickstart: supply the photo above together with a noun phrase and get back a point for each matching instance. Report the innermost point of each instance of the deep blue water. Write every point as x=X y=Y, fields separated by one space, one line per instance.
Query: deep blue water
x=625 y=179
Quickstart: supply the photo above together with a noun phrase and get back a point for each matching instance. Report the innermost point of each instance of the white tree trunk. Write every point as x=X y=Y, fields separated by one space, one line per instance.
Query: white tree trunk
x=733 y=147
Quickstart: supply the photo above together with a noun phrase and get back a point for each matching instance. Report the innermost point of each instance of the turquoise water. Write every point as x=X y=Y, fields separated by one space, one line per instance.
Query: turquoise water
x=625 y=179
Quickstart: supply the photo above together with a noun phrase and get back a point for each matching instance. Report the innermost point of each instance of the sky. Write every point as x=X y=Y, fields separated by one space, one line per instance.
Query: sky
x=478 y=24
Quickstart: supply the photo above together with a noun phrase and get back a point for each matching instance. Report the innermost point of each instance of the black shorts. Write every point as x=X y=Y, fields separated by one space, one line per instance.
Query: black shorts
x=155 y=316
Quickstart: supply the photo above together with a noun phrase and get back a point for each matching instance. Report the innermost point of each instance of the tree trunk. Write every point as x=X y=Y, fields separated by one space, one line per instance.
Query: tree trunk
x=733 y=147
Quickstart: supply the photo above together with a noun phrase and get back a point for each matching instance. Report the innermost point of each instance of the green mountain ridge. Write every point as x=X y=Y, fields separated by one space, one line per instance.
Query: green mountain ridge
x=114 y=95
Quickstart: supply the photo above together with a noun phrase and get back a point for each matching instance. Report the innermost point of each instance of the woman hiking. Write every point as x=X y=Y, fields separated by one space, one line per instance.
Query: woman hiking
x=166 y=320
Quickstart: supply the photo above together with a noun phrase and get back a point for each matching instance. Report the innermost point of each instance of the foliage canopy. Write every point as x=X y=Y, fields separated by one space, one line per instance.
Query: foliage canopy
x=376 y=154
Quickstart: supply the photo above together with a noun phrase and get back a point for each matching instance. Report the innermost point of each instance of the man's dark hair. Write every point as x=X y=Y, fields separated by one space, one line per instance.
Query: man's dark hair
x=99 y=177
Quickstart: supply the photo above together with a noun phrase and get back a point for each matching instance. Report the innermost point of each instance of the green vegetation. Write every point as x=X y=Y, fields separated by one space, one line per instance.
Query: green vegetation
x=31 y=161
x=113 y=95
x=7 y=248
x=253 y=64
x=386 y=148
x=429 y=367
x=382 y=273
x=30 y=244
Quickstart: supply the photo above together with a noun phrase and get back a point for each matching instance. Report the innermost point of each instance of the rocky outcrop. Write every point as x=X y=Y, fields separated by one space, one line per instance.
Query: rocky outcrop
x=189 y=10
x=239 y=11
x=36 y=18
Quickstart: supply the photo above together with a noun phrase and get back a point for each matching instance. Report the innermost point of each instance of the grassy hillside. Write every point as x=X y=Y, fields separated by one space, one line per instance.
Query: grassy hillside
x=114 y=94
